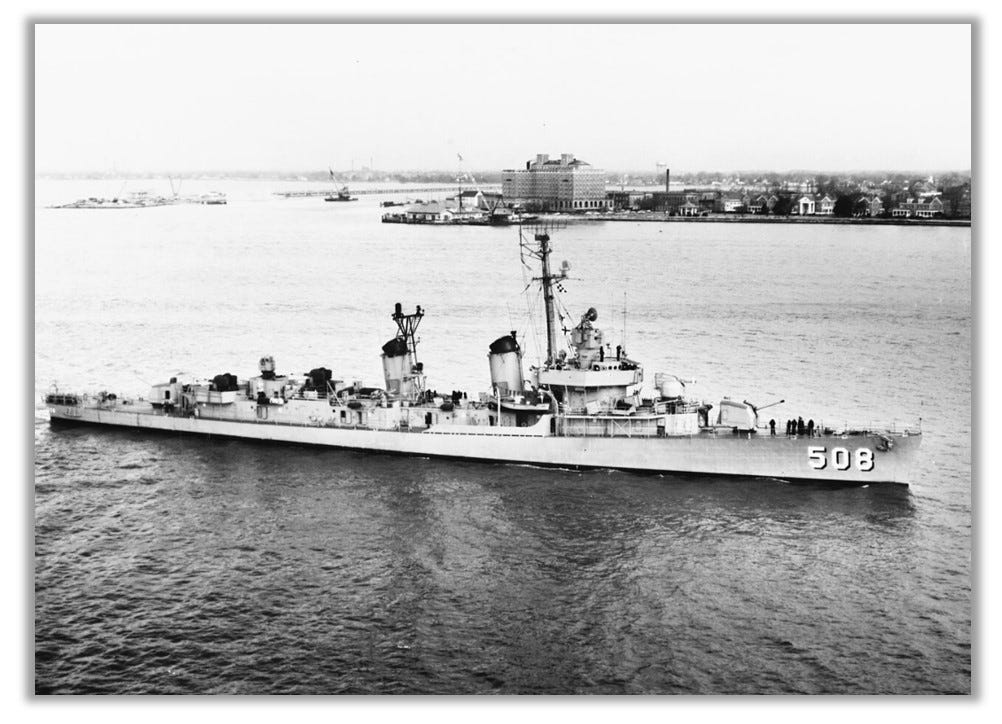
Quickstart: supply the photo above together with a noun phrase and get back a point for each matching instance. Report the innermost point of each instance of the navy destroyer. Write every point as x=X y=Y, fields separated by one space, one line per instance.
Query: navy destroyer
x=584 y=406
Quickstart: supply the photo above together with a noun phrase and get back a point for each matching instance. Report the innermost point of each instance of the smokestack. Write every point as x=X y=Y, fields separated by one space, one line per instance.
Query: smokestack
x=667 y=180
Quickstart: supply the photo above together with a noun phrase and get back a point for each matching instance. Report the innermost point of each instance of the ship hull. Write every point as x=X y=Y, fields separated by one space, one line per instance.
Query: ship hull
x=859 y=459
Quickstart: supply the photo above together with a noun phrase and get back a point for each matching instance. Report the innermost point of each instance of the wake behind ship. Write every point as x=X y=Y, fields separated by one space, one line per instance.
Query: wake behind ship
x=584 y=406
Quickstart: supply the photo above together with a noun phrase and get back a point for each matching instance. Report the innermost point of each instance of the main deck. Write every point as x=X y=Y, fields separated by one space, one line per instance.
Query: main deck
x=848 y=458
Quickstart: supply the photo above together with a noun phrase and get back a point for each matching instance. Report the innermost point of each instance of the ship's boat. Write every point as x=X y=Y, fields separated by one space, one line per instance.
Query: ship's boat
x=583 y=406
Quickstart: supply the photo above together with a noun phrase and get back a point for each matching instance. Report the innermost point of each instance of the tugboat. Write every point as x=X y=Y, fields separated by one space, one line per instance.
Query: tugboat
x=579 y=408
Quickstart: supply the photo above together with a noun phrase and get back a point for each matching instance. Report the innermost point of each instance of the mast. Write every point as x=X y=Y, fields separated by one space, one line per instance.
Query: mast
x=541 y=250
x=624 y=318
x=547 y=280
x=407 y=325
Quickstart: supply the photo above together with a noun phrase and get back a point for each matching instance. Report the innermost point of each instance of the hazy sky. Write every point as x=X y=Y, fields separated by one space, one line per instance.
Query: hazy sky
x=698 y=97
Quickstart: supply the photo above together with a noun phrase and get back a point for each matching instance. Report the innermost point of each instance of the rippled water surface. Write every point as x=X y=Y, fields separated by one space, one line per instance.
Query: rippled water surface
x=184 y=565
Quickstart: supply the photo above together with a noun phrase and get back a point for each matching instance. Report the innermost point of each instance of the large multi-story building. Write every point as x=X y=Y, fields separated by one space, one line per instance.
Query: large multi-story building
x=567 y=184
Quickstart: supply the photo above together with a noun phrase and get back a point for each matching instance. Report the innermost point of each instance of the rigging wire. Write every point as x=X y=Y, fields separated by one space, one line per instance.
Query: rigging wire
x=528 y=306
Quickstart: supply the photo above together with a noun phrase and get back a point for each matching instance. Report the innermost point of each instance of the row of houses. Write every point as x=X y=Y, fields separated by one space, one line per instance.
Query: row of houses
x=703 y=203
x=803 y=205
x=793 y=200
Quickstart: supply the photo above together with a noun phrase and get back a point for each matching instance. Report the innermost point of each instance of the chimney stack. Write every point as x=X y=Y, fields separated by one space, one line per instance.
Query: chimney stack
x=667 y=180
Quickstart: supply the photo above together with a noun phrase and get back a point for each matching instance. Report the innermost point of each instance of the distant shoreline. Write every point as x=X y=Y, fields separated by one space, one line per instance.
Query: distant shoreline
x=756 y=219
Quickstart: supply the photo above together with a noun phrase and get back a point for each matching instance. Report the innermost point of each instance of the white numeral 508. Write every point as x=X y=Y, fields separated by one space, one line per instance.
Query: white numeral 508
x=841 y=458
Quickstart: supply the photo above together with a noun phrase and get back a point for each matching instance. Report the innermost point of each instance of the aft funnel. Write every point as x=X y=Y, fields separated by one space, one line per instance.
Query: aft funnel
x=506 y=365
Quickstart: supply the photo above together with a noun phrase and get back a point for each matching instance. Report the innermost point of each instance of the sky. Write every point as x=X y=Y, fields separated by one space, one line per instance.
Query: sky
x=191 y=98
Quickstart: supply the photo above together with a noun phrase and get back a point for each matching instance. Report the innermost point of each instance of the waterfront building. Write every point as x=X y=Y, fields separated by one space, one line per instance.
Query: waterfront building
x=711 y=202
x=626 y=199
x=679 y=203
x=668 y=201
x=875 y=206
x=763 y=204
x=690 y=207
x=806 y=205
x=921 y=208
x=430 y=212
x=564 y=184
x=733 y=204
x=826 y=207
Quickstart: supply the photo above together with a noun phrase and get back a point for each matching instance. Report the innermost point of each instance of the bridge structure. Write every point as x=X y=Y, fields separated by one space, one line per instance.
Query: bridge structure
x=442 y=188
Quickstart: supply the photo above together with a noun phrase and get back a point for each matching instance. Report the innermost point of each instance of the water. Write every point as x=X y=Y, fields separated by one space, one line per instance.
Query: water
x=171 y=564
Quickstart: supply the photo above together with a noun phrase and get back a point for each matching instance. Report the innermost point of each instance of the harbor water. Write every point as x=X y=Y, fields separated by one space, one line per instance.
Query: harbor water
x=168 y=564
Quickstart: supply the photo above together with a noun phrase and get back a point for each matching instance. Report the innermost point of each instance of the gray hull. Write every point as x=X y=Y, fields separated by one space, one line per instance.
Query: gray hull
x=843 y=459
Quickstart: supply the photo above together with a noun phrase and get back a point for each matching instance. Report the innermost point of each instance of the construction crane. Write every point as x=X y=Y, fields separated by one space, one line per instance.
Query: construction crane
x=338 y=194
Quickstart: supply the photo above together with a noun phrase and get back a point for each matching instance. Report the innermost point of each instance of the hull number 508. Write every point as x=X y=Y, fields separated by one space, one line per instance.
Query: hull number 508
x=840 y=458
